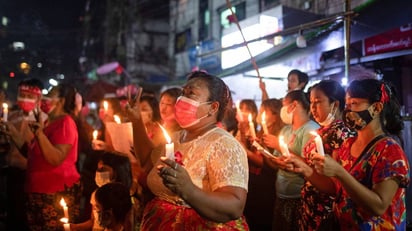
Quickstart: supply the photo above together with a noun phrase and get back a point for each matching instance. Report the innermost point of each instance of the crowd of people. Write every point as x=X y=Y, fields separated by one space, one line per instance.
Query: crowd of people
x=321 y=158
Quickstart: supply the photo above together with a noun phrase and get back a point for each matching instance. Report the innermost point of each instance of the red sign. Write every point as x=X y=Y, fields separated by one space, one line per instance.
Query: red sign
x=393 y=40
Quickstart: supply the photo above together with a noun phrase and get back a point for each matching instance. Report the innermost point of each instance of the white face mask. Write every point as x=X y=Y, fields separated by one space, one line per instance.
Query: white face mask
x=330 y=118
x=285 y=116
x=102 y=178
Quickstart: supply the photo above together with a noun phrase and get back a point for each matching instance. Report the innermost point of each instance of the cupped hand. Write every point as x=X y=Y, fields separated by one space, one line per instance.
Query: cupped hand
x=270 y=141
x=175 y=177
x=326 y=165
x=99 y=145
x=299 y=165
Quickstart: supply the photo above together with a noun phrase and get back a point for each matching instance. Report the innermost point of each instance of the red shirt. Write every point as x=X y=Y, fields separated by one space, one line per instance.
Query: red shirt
x=42 y=177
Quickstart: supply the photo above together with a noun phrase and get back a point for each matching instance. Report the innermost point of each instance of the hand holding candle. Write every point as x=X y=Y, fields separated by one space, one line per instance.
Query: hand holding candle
x=319 y=143
x=283 y=146
x=264 y=125
x=251 y=127
x=95 y=133
x=66 y=224
x=170 y=152
x=5 y=111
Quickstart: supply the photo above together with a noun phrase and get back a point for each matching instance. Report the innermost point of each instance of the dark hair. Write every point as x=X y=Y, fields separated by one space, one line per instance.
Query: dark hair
x=218 y=90
x=333 y=90
x=32 y=82
x=274 y=105
x=120 y=165
x=299 y=96
x=115 y=196
x=250 y=104
x=154 y=104
x=68 y=92
x=302 y=76
x=174 y=92
x=372 y=90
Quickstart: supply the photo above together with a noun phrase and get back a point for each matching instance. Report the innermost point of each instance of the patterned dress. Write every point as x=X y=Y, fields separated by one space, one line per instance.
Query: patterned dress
x=316 y=206
x=386 y=160
x=214 y=160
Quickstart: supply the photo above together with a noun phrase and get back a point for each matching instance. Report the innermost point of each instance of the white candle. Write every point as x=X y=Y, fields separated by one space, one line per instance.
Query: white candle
x=264 y=126
x=319 y=143
x=105 y=106
x=65 y=209
x=283 y=146
x=5 y=111
x=95 y=133
x=170 y=147
x=66 y=224
x=251 y=126
x=117 y=119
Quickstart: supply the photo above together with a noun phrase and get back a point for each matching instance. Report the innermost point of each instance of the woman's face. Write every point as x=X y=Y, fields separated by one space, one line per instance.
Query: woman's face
x=146 y=112
x=293 y=82
x=197 y=90
x=320 y=106
x=167 y=107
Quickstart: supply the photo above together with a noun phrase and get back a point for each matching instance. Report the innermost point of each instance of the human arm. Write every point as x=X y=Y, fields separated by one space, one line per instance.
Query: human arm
x=374 y=200
x=262 y=87
x=221 y=205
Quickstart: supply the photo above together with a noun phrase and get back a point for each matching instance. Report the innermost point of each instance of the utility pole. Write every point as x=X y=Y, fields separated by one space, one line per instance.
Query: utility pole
x=346 y=31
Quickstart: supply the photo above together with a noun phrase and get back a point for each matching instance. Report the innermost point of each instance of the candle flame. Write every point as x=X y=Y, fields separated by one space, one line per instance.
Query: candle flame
x=105 y=105
x=167 y=137
x=249 y=117
x=117 y=119
x=95 y=133
x=281 y=139
x=63 y=202
x=5 y=106
x=64 y=220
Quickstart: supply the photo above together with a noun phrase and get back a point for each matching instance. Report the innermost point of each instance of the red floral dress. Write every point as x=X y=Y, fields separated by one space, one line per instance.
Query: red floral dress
x=316 y=205
x=386 y=160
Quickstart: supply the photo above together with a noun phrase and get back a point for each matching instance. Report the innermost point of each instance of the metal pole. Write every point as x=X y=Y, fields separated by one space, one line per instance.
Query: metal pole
x=346 y=30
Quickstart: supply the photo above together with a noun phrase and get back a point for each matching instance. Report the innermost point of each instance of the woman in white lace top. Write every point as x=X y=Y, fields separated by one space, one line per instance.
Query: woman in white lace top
x=205 y=186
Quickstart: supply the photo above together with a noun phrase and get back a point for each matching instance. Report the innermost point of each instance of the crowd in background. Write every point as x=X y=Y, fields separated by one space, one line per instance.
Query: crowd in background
x=320 y=158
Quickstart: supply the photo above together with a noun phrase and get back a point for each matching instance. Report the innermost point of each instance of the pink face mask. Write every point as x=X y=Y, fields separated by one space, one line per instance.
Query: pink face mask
x=186 y=110
x=26 y=104
x=46 y=105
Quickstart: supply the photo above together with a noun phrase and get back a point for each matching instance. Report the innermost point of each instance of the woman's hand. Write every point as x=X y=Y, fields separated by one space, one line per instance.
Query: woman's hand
x=299 y=165
x=99 y=145
x=175 y=177
x=133 y=106
x=326 y=165
x=270 y=141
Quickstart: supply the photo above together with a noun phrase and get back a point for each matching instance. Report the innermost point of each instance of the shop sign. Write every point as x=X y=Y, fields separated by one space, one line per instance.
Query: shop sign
x=393 y=40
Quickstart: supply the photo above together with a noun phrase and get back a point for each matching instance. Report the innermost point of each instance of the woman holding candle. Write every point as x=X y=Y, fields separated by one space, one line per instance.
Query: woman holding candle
x=51 y=164
x=327 y=101
x=207 y=190
x=371 y=171
x=295 y=114
x=262 y=178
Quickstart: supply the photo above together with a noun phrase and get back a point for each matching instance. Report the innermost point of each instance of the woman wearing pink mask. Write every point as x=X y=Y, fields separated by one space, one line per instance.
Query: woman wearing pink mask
x=205 y=186
x=51 y=164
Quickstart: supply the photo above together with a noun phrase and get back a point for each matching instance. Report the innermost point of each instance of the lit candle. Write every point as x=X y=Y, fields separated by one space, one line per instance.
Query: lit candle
x=95 y=133
x=5 y=111
x=251 y=126
x=319 y=143
x=170 y=147
x=283 y=146
x=65 y=209
x=264 y=126
x=66 y=224
x=238 y=113
x=117 y=119
x=105 y=106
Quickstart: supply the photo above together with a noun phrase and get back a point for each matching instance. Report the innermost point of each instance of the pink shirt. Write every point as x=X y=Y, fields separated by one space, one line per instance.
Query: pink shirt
x=43 y=177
